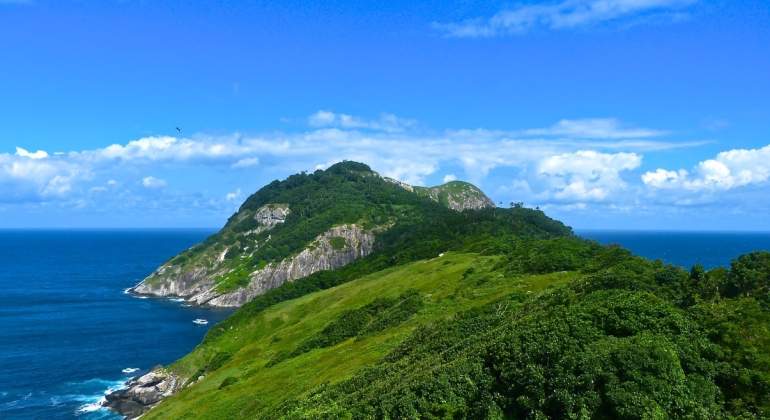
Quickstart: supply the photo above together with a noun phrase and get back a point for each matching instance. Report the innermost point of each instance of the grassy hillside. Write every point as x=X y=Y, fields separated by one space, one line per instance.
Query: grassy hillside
x=446 y=285
x=544 y=328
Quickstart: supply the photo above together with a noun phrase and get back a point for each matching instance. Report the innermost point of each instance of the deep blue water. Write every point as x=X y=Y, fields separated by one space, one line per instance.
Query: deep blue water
x=711 y=249
x=68 y=330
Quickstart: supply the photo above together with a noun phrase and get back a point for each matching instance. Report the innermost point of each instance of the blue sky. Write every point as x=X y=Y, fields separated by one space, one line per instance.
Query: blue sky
x=643 y=114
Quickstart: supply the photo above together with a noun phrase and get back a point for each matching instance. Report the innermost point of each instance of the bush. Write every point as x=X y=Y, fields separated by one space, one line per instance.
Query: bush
x=227 y=382
x=380 y=314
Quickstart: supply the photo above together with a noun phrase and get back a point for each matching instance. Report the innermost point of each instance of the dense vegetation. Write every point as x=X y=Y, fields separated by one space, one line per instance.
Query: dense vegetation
x=517 y=319
x=637 y=339
x=371 y=318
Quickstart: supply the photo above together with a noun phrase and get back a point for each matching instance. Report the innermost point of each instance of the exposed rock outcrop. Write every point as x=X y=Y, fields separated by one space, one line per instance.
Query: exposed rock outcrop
x=458 y=196
x=269 y=216
x=334 y=248
x=320 y=255
x=142 y=393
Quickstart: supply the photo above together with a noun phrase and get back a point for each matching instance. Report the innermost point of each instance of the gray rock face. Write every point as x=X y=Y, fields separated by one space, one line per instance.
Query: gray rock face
x=456 y=195
x=401 y=184
x=321 y=255
x=176 y=282
x=143 y=392
x=468 y=198
x=270 y=215
x=198 y=286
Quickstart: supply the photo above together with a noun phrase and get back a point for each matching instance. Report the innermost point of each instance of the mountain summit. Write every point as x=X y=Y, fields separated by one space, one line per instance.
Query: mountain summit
x=308 y=223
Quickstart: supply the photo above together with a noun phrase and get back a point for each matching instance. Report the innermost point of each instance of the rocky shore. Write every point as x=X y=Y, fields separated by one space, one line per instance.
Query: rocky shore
x=142 y=393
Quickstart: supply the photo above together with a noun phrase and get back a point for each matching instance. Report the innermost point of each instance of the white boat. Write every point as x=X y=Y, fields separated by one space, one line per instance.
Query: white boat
x=200 y=321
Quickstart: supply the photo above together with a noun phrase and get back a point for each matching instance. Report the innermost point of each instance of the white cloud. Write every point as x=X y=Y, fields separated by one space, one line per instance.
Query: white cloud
x=27 y=176
x=728 y=170
x=449 y=178
x=233 y=195
x=586 y=175
x=40 y=154
x=385 y=122
x=594 y=128
x=166 y=148
x=246 y=162
x=411 y=156
x=153 y=183
x=566 y=14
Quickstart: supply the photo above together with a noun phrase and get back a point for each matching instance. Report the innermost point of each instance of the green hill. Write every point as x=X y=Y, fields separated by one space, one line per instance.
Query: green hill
x=487 y=313
x=312 y=222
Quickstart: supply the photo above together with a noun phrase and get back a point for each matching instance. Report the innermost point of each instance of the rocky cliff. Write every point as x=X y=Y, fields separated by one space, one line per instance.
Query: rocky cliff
x=335 y=248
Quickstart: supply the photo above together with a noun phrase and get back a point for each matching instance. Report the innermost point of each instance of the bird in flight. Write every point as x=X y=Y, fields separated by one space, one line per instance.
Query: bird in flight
x=179 y=130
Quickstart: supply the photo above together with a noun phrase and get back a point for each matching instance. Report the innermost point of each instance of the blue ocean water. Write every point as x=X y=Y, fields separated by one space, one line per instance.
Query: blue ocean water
x=67 y=329
x=710 y=249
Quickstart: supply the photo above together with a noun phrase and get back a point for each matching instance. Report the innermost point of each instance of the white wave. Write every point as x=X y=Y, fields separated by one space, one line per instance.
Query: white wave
x=91 y=407
x=177 y=300
x=200 y=321
x=142 y=297
x=127 y=290
x=96 y=402
x=129 y=370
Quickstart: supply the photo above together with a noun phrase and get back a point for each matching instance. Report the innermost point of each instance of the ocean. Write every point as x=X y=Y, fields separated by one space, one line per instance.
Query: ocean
x=69 y=332
x=685 y=249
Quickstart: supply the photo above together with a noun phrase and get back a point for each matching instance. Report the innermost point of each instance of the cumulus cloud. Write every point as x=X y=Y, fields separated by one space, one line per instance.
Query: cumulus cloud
x=40 y=154
x=413 y=155
x=449 y=178
x=586 y=175
x=728 y=170
x=31 y=176
x=166 y=148
x=153 y=183
x=566 y=14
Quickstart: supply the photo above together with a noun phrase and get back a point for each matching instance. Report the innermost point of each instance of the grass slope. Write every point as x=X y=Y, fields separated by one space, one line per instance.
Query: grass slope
x=242 y=386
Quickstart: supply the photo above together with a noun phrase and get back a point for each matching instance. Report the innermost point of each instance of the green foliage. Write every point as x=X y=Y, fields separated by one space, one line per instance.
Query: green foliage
x=230 y=380
x=215 y=362
x=619 y=344
x=374 y=317
x=741 y=329
x=750 y=276
x=337 y=242
x=238 y=277
x=533 y=256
